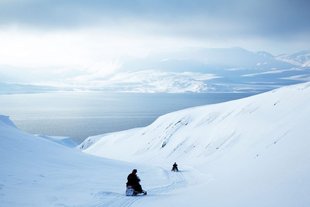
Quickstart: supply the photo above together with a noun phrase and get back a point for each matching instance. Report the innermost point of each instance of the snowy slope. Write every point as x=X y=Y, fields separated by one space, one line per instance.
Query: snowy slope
x=66 y=141
x=36 y=172
x=248 y=152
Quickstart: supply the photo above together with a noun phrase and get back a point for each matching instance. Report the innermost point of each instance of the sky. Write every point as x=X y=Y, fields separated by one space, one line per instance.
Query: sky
x=95 y=36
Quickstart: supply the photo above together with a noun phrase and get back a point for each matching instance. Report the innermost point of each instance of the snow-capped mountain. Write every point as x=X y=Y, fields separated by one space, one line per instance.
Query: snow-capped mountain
x=200 y=70
x=205 y=59
x=196 y=70
x=301 y=58
x=249 y=152
x=204 y=70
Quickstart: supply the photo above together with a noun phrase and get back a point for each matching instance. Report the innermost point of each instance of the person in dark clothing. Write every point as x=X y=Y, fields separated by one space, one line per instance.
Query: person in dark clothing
x=134 y=181
x=175 y=167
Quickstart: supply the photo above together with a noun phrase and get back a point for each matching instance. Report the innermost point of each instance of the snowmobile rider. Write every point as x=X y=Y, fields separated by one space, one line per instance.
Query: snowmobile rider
x=175 y=167
x=134 y=181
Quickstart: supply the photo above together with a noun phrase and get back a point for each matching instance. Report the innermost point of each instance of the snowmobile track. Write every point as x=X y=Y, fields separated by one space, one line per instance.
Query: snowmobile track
x=111 y=199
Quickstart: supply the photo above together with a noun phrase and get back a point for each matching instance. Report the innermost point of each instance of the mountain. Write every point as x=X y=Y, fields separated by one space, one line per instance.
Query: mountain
x=247 y=152
x=205 y=59
x=193 y=69
x=203 y=70
x=12 y=88
x=301 y=58
x=38 y=172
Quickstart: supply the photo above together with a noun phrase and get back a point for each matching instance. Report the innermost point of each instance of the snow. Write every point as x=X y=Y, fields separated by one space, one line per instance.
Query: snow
x=193 y=69
x=66 y=141
x=247 y=152
x=38 y=172
x=301 y=58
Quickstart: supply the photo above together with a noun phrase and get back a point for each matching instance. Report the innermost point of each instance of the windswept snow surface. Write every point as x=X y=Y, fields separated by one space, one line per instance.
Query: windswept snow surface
x=36 y=172
x=248 y=152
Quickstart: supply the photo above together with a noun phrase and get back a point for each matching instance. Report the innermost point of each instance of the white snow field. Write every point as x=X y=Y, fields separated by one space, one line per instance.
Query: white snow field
x=252 y=152
x=36 y=172
x=248 y=152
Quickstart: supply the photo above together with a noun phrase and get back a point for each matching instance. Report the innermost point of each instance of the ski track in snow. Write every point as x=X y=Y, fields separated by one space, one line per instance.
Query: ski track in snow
x=177 y=180
x=112 y=199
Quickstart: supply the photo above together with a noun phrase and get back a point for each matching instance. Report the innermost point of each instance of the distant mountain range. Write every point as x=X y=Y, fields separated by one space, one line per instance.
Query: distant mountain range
x=13 y=88
x=229 y=70
x=300 y=58
x=196 y=70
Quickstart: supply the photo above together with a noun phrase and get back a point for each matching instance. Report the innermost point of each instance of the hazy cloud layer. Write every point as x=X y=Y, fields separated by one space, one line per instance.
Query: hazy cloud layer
x=264 y=18
x=81 y=42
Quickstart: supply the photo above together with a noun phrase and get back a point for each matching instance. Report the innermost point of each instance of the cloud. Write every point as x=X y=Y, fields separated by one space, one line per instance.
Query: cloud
x=272 y=18
x=99 y=35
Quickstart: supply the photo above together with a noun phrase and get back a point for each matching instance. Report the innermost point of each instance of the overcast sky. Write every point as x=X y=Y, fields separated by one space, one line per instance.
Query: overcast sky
x=97 y=34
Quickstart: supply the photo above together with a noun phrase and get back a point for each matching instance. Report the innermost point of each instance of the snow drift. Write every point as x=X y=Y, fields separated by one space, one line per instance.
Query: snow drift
x=251 y=152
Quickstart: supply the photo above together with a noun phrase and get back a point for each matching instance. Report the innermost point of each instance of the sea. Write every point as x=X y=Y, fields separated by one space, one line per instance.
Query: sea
x=82 y=114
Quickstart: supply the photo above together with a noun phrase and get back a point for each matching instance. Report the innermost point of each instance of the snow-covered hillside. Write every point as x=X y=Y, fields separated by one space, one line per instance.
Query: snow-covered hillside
x=192 y=69
x=248 y=152
x=36 y=172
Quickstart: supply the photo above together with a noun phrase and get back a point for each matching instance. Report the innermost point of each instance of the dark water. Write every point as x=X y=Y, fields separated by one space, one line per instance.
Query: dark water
x=82 y=114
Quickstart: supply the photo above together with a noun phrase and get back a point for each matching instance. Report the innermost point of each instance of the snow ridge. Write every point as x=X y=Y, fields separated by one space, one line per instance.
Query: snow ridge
x=202 y=131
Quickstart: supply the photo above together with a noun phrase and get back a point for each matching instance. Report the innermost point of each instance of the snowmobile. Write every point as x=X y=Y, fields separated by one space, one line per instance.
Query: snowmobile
x=131 y=192
x=175 y=167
